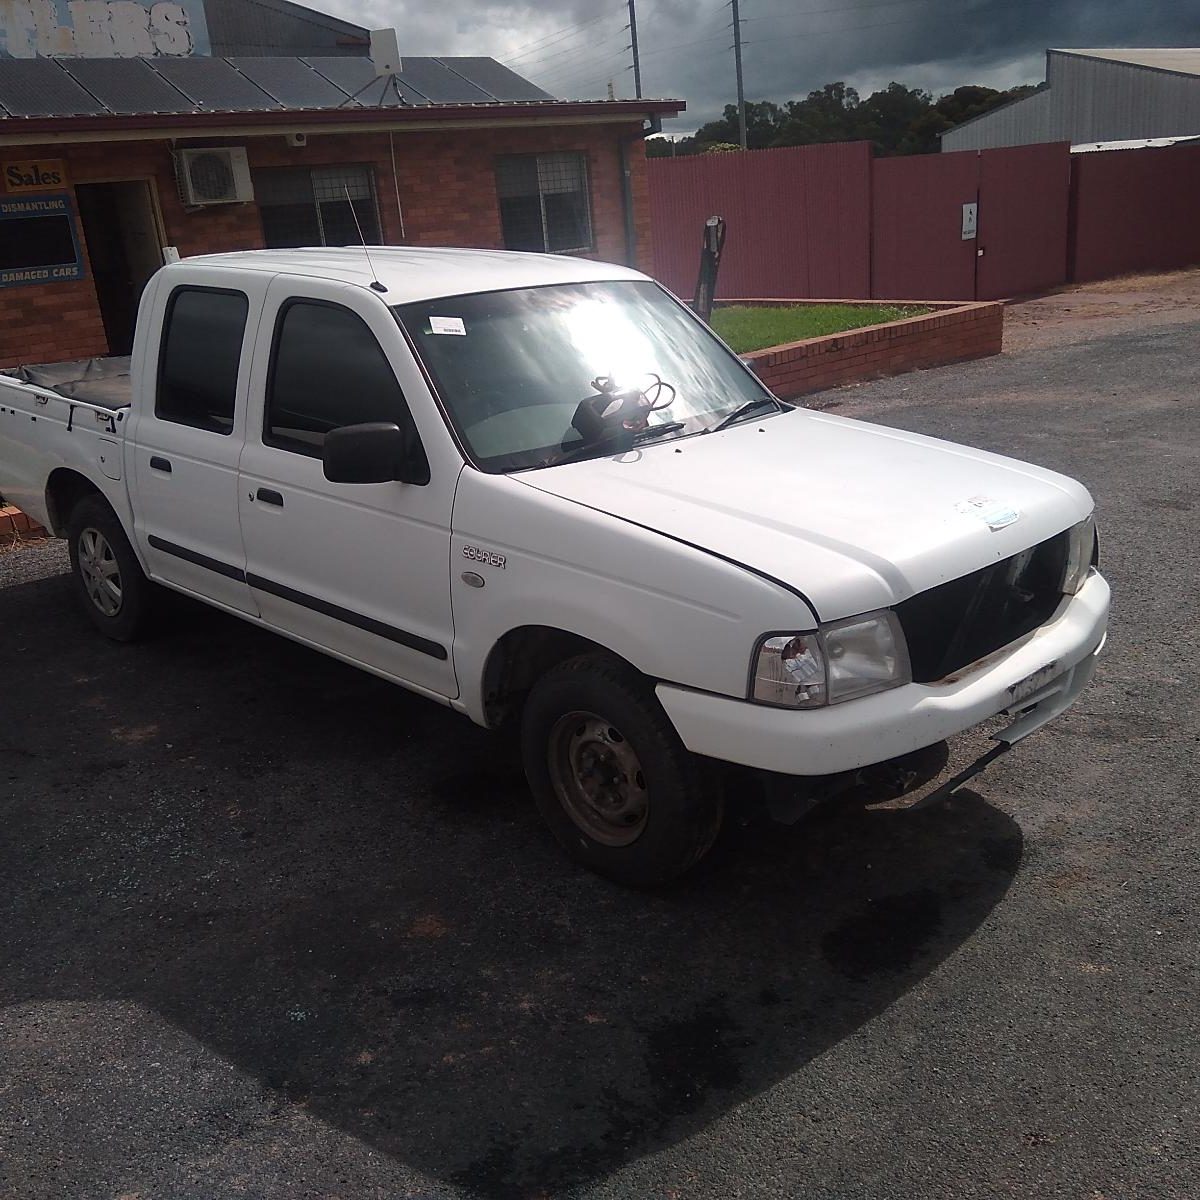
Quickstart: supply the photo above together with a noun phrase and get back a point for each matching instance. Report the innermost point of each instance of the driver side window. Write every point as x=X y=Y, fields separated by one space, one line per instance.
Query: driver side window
x=327 y=370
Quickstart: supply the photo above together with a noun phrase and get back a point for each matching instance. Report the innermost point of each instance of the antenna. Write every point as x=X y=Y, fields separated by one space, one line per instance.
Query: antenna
x=375 y=284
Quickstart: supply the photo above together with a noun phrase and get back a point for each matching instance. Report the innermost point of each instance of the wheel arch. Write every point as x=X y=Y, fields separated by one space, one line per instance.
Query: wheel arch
x=65 y=487
x=520 y=657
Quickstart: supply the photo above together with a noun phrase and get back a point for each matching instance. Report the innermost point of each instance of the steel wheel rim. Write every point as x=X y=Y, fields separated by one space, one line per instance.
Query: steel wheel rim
x=598 y=778
x=100 y=572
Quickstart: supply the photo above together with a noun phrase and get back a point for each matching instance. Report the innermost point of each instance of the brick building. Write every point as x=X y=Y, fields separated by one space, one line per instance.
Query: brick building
x=110 y=164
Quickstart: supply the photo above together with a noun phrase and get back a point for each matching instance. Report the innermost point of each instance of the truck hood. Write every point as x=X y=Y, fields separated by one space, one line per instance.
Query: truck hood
x=851 y=515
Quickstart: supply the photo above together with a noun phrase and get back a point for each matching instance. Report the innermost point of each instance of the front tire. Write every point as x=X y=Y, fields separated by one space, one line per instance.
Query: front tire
x=610 y=776
x=114 y=593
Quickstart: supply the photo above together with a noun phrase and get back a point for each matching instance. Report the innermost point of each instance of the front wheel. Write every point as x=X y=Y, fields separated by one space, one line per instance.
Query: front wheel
x=112 y=589
x=611 y=777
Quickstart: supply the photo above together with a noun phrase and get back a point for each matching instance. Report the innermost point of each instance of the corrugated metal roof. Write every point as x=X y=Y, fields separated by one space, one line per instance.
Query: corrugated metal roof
x=1184 y=60
x=272 y=27
x=134 y=86
x=1134 y=144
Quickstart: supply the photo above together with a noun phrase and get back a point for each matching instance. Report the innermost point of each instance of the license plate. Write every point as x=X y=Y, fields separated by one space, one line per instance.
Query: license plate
x=1032 y=683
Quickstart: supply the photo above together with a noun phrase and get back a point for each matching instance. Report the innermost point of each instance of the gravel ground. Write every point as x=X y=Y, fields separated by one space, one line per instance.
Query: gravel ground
x=271 y=928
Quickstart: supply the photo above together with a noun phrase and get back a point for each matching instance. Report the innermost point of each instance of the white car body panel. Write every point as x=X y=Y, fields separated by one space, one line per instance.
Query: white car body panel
x=856 y=516
x=672 y=609
x=875 y=728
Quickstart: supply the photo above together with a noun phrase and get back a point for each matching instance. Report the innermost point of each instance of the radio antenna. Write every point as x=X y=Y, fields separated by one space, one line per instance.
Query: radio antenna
x=375 y=284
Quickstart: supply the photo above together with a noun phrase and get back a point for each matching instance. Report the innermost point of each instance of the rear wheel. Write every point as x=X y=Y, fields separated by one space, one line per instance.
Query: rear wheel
x=115 y=595
x=611 y=777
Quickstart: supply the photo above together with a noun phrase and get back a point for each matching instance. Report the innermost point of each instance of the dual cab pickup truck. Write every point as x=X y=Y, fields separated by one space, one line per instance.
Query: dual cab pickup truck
x=540 y=491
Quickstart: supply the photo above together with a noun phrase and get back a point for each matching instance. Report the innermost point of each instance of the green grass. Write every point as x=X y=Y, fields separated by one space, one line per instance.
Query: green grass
x=746 y=328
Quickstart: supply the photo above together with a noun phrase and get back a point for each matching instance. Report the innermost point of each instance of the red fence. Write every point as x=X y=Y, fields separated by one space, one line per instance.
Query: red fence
x=918 y=252
x=799 y=220
x=828 y=221
x=1134 y=210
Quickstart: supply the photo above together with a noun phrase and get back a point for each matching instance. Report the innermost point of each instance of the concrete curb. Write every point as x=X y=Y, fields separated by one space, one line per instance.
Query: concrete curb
x=953 y=332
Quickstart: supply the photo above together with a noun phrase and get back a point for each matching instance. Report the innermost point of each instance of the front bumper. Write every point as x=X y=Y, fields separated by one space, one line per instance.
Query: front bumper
x=873 y=729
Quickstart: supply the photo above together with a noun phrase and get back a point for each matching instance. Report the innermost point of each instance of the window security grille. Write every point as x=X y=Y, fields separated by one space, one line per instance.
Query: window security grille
x=302 y=206
x=544 y=202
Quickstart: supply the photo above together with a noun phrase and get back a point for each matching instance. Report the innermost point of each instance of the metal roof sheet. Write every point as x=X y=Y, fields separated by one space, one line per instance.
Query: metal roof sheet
x=214 y=84
x=494 y=77
x=1184 y=60
x=125 y=85
x=100 y=93
x=1134 y=144
x=292 y=82
x=32 y=87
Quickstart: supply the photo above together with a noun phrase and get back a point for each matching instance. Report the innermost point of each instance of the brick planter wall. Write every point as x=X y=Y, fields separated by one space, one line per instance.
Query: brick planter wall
x=15 y=525
x=952 y=333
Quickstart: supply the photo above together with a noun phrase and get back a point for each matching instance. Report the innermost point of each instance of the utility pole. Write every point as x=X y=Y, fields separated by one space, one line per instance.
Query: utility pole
x=737 y=66
x=637 y=62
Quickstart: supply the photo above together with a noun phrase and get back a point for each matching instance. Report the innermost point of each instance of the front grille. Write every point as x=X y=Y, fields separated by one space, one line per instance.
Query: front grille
x=957 y=623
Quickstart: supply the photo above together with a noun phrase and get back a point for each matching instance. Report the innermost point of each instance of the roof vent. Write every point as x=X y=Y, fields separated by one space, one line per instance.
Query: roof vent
x=215 y=175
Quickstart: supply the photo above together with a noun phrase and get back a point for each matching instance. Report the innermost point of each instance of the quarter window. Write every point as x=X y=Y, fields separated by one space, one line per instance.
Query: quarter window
x=317 y=206
x=544 y=202
x=201 y=352
x=327 y=371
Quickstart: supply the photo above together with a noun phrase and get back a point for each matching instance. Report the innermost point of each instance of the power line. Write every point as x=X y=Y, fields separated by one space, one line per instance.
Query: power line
x=526 y=48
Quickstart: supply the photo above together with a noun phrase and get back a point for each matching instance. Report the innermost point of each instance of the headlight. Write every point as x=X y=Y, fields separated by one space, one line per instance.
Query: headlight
x=840 y=661
x=1081 y=555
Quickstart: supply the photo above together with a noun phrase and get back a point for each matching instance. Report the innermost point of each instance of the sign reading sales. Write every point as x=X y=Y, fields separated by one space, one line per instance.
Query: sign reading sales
x=35 y=175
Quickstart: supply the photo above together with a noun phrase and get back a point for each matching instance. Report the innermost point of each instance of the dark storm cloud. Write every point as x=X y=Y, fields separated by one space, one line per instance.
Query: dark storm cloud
x=575 y=47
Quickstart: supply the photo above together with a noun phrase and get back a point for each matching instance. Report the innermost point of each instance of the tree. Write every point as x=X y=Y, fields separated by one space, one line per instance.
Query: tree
x=762 y=123
x=886 y=116
x=827 y=115
x=896 y=119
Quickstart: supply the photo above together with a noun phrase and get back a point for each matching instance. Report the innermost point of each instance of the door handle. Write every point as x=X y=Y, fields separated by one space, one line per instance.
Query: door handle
x=160 y=464
x=269 y=496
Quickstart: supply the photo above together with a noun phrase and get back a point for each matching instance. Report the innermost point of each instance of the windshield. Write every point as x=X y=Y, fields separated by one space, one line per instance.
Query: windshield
x=512 y=367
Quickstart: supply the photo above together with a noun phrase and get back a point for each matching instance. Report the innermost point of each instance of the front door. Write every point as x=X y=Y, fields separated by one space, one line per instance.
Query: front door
x=124 y=245
x=361 y=570
x=187 y=443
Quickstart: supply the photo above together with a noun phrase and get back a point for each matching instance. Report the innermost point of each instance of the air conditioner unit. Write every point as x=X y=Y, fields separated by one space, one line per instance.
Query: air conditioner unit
x=215 y=175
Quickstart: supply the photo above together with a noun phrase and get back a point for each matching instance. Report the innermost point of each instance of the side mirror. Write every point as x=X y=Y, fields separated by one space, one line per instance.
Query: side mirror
x=374 y=452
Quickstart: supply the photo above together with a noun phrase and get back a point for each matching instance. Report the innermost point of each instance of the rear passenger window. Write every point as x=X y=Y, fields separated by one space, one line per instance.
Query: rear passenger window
x=198 y=363
x=328 y=371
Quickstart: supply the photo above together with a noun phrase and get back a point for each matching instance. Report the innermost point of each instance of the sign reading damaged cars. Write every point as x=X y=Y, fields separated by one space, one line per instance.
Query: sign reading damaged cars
x=38 y=243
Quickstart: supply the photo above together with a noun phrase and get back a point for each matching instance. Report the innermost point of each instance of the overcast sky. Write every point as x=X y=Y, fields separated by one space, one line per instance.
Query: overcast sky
x=573 y=48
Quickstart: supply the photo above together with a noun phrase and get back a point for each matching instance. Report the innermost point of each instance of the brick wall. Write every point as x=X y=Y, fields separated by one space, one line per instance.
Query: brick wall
x=446 y=187
x=952 y=333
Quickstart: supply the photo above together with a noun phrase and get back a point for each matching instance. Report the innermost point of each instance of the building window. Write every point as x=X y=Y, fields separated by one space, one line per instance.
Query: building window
x=302 y=206
x=544 y=202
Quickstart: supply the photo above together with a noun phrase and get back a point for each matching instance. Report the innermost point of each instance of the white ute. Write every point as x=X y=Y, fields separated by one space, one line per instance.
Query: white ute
x=540 y=491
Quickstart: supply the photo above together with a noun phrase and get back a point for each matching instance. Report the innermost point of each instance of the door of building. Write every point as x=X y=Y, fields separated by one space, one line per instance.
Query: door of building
x=124 y=243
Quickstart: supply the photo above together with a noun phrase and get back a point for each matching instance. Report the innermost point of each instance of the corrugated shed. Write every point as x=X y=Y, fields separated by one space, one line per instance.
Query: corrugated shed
x=1092 y=99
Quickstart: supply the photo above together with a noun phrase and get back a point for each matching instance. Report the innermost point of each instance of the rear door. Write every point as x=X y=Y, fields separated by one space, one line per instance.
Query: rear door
x=361 y=570
x=187 y=445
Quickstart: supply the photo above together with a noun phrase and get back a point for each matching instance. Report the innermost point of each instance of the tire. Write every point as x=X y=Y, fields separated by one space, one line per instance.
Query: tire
x=114 y=593
x=610 y=776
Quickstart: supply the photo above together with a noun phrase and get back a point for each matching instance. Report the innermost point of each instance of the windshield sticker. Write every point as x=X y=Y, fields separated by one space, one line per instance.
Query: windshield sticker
x=452 y=325
x=995 y=513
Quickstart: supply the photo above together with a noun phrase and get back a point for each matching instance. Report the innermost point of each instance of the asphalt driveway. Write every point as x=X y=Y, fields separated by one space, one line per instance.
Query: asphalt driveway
x=272 y=928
